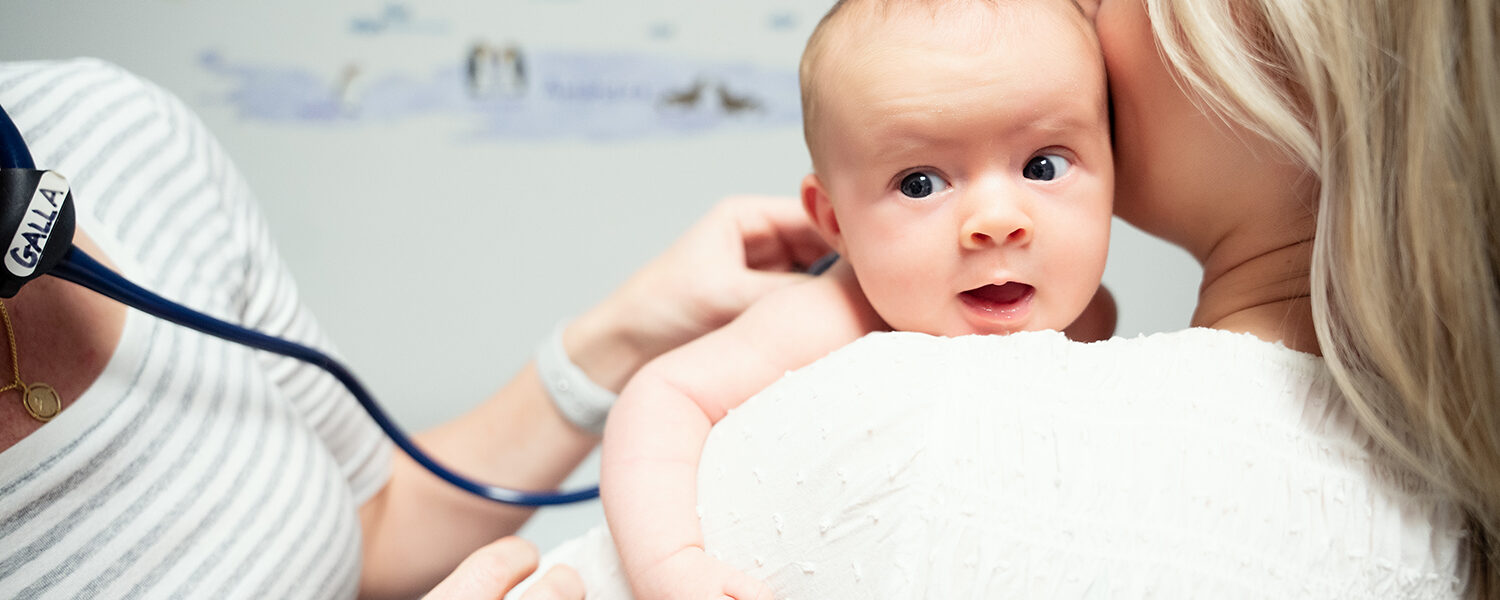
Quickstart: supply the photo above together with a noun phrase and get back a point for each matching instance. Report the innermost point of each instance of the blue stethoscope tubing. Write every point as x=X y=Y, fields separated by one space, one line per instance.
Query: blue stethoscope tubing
x=80 y=268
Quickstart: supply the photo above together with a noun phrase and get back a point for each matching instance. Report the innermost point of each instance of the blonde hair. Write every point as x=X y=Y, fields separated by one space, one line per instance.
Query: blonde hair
x=1395 y=106
x=808 y=74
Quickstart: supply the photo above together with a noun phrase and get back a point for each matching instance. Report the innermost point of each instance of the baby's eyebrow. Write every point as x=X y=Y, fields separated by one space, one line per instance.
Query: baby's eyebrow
x=908 y=129
x=902 y=143
x=1059 y=123
x=904 y=148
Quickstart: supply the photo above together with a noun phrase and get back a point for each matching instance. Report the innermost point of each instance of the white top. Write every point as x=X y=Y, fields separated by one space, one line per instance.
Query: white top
x=192 y=467
x=1194 y=464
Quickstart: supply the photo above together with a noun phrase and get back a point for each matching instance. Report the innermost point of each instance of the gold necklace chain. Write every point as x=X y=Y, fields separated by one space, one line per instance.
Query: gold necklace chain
x=40 y=400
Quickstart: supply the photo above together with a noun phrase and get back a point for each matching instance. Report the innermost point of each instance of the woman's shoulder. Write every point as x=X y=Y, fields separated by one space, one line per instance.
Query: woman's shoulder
x=75 y=65
x=1213 y=379
x=1200 y=343
x=1189 y=362
x=1191 y=463
x=38 y=92
x=124 y=144
x=144 y=171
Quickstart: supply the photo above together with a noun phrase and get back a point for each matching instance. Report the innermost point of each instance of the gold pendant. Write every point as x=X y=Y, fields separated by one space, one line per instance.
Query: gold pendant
x=42 y=402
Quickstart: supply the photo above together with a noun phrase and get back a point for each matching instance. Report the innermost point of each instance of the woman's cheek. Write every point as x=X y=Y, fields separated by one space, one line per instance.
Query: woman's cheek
x=1090 y=8
x=1139 y=86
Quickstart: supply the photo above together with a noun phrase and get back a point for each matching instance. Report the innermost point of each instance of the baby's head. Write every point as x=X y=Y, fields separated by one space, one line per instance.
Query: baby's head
x=961 y=159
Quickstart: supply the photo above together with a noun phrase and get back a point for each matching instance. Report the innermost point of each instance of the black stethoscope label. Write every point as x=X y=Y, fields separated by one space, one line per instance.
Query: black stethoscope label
x=31 y=237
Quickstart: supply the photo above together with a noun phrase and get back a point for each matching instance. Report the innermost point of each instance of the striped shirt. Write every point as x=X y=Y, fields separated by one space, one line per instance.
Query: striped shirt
x=192 y=468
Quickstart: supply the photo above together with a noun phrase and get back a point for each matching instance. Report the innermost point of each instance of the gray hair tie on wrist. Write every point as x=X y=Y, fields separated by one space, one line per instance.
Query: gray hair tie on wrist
x=581 y=401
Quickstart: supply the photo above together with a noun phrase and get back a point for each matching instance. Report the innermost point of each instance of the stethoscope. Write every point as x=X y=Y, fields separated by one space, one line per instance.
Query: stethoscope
x=38 y=217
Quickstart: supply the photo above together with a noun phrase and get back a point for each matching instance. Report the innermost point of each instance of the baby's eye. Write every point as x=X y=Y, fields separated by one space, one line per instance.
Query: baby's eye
x=1046 y=167
x=922 y=184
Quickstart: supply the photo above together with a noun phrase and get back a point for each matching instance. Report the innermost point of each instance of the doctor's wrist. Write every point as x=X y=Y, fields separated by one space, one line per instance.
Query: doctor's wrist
x=604 y=348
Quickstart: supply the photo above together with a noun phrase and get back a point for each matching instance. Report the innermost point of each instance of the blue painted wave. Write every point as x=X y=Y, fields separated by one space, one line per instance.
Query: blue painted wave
x=504 y=94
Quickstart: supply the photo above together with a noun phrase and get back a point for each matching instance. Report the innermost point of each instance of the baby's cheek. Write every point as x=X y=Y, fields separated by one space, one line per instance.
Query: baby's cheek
x=1073 y=277
x=892 y=306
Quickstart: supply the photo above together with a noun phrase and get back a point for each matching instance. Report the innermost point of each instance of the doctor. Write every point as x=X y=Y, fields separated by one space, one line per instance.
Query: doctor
x=182 y=465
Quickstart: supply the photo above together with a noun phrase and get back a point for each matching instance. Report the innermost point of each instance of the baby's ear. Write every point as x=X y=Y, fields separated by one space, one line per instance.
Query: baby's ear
x=820 y=211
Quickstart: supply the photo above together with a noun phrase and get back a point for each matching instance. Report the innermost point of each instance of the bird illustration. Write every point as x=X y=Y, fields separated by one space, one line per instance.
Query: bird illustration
x=736 y=104
x=686 y=98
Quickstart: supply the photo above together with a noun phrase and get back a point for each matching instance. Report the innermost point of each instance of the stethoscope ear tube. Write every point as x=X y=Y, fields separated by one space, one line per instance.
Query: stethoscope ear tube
x=14 y=153
x=51 y=237
x=83 y=270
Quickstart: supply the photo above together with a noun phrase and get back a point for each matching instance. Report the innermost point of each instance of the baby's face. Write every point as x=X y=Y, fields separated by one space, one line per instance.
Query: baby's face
x=965 y=168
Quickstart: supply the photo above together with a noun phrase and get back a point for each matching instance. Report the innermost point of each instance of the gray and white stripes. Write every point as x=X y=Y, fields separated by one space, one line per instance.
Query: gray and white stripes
x=192 y=467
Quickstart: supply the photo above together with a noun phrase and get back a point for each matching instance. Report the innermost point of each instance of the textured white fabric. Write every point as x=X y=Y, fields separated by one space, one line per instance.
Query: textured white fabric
x=1194 y=464
x=192 y=467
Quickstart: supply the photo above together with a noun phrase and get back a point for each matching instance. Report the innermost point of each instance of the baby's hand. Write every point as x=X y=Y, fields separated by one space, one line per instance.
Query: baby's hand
x=691 y=574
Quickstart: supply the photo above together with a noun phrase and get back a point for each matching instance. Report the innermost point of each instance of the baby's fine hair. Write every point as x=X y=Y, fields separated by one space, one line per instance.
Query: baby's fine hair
x=820 y=39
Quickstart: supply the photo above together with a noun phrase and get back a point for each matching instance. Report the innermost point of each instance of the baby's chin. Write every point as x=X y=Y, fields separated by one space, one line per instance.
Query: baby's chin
x=960 y=327
x=1002 y=309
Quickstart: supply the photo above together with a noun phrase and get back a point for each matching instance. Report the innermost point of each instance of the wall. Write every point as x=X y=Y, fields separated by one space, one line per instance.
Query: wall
x=439 y=224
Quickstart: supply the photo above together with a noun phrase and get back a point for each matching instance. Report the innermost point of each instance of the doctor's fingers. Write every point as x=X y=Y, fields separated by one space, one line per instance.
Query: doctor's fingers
x=774 y=230
x=489 y=572
x=560 y=583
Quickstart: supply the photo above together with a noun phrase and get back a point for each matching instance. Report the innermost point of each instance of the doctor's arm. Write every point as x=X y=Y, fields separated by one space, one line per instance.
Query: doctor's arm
x=417 y=528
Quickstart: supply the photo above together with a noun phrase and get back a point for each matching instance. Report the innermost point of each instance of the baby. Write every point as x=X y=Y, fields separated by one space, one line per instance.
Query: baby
x=962 y=170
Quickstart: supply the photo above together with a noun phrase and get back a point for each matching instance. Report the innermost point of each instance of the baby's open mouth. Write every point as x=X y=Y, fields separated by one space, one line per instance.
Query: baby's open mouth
x=999 y=297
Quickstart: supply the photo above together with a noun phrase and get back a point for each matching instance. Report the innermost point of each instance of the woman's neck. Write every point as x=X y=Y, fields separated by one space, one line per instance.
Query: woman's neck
x=1264 y=291
x=65 y=336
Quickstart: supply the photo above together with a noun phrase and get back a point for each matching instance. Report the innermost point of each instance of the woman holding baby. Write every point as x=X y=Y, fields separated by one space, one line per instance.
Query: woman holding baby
x=1330 y=425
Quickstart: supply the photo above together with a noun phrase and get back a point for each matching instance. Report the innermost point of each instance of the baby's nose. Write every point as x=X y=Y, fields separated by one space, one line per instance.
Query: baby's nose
x=995 y=220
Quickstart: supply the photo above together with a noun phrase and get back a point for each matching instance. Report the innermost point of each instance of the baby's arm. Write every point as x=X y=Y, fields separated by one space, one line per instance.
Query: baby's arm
x=657 y=428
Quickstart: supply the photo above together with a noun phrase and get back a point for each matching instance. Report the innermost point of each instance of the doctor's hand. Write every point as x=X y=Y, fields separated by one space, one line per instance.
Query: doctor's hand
x=745 y=247
x=493 y=570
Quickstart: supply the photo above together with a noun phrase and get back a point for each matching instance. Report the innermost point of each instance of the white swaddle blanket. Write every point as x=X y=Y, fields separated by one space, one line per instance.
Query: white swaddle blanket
x=1192 y=464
